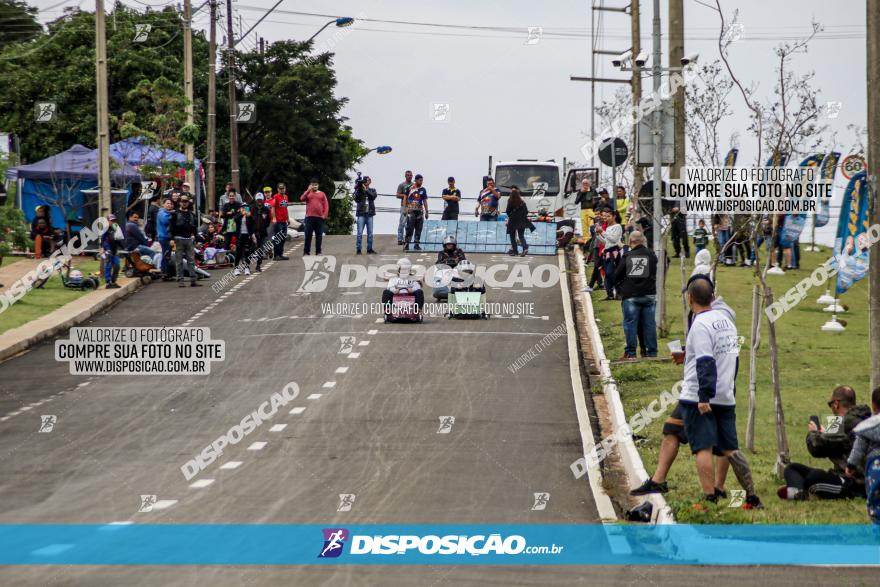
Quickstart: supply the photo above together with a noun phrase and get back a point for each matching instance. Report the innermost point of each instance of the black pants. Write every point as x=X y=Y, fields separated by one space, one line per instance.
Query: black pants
x=447 y=215
x=679 y=238
x=414 y=222
x=596 y=276
x=245 y=250
x=521 y=233
x=313 y=225
x=824 y=484
x=262 y=244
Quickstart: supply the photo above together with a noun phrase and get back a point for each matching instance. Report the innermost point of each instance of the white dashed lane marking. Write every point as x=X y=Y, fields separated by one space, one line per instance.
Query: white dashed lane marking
x=296 y=411
x=230 y=465
x=257 y=445
x=342 y=369
x=201 y=483
x=329 y=385
x=314 y=396
x=278 y=428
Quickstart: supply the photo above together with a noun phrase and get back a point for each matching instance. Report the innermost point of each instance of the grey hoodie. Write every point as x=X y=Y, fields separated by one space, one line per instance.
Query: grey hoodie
x=867 y=442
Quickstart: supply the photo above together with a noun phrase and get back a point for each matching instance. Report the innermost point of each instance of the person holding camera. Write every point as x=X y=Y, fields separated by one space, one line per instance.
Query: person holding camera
x=835 y=444
x=365 y=210
x=317 y=211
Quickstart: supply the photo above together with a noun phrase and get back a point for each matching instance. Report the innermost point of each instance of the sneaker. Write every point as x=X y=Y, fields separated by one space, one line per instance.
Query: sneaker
x=649 y=486
x=236 y=273
x=753 y=502
x=247 y=270
x=371 y=252
x=405 y=247
x=588 y=289
x=180 y=283
x=720 y=493
x=112 y=285
x=400 y=242
x=258 y=269
x=524 y=253
x=783 y=493
x=417 y=247
x=626 y=357
x=357 y=252
x=511 y=252
x=195 y=284
x=282 y=258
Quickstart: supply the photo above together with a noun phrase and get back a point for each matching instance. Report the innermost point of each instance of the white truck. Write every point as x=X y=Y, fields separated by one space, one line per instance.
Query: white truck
x=539 y=182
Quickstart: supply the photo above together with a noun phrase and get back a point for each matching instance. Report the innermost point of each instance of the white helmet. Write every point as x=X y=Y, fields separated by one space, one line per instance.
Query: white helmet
x=449 y=240
x=465 y=267
x=76 y=276
x=404 y=267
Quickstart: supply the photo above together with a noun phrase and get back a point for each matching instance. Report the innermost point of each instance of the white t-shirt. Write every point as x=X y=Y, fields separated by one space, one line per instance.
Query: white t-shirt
x=711 y=339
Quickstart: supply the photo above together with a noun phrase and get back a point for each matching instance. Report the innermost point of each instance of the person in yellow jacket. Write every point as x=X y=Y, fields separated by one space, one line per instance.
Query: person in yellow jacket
x=587 y=199
x=622 y=204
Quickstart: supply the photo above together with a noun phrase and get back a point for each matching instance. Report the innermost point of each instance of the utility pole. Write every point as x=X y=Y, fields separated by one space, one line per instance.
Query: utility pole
x=188 y=87
x=659 y=249
x=104 y=197
x=676 y=52
x=873 y=62
x=636 y=86
x=233 y=104
x=211 y=163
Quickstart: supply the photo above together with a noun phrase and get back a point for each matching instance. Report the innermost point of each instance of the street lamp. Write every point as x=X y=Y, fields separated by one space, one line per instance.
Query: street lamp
x=341 y=22
x=381 y=150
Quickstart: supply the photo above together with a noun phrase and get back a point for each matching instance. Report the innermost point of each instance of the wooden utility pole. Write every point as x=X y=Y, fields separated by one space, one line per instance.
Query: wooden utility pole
x=233 y=103
x=104 y=197
x=676 y=52
x=636 y=86
x=188 y=87
x=873 y=61
x=211 y=163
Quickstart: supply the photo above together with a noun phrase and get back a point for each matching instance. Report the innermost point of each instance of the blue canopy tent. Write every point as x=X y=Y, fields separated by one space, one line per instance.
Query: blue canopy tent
x=137 y=152
x=59 y=181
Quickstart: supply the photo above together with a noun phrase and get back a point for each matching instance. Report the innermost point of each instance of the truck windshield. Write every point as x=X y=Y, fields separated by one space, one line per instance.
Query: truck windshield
x=525 y=176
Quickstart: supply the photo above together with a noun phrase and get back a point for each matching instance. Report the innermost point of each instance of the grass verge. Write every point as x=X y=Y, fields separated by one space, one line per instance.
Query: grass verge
x=811 y=364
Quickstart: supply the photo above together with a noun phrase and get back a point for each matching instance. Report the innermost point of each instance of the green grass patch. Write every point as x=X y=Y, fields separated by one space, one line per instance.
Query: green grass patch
x=811 y=364
x=40 y=301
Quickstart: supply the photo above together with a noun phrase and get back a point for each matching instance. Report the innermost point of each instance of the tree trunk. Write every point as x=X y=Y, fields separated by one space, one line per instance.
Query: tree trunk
x=782 y=454
x=684 y=302
x=753 y=365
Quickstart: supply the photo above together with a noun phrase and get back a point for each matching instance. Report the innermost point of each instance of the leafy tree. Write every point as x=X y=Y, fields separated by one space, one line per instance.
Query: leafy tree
x=14 y=234
x=18 y=22
x=299 y=132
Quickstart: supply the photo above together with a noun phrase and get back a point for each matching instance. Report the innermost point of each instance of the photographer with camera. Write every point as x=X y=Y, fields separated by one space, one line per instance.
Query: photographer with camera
x=365 y=210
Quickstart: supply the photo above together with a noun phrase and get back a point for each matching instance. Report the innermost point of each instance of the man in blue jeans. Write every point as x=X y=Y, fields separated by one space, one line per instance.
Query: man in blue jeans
x=635 y=277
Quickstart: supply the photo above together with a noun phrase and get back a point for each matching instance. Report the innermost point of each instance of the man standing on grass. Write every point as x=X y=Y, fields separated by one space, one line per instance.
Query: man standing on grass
x=707 y=399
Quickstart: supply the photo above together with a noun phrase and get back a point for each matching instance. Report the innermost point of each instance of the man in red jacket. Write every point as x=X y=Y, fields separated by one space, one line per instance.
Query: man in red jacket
x=317 y=210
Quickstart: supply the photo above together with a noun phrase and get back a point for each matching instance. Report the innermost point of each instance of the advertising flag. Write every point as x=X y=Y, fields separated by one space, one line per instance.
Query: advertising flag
x=793 y=224
x=826 y=172
x=852 y=241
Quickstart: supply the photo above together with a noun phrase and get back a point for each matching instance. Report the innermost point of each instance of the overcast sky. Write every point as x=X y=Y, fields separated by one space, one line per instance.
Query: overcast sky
x=514 y=100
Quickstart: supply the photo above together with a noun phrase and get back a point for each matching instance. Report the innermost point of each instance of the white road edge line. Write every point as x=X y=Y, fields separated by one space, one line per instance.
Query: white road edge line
x=603 y=501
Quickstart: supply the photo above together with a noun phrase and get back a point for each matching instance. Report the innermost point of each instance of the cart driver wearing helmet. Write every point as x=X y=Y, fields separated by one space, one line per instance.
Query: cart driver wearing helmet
x=404 y=281
x=450 y=254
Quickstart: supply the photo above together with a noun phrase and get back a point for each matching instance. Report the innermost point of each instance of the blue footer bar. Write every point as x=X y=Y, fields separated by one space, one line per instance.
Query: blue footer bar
x=483 y=544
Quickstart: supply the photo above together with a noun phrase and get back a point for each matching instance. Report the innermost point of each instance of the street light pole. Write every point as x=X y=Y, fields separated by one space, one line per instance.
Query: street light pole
x=211 y=163
x=188 y=87
x=233 y=104
x=659 y=310
x=104 y=199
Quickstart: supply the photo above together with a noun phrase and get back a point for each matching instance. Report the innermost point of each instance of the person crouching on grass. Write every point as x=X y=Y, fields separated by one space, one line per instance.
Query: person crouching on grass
x=865 y=458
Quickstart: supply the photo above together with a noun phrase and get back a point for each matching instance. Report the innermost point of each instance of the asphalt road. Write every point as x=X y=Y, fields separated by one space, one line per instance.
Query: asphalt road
x=368 y=423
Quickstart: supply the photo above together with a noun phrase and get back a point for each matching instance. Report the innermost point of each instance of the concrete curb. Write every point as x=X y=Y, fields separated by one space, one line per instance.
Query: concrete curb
x=17 y=340
x=604 y=505
x=629 y=455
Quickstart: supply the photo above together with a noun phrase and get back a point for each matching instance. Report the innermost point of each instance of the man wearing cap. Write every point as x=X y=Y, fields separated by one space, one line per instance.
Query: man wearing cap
x=416 y=213
x=365 y=209
x=317 y=211
x=278 y=210
x=262 y=216
x=228 y=214
x=451 y=196
x=184 y=226
x=111 y=241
